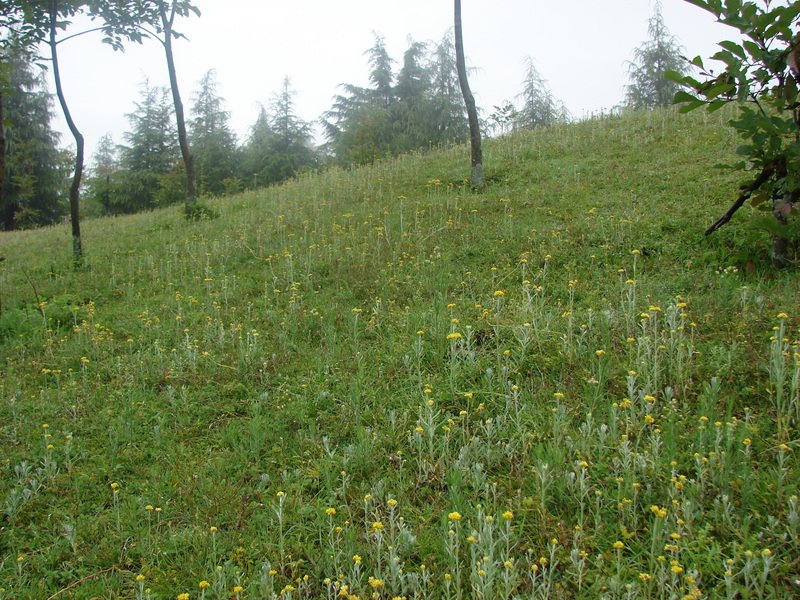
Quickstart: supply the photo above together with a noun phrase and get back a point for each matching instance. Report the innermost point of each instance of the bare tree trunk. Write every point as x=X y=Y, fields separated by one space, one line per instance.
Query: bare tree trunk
x=469 y=100
x=75 y=187
x=2 y=149
x=188 y=159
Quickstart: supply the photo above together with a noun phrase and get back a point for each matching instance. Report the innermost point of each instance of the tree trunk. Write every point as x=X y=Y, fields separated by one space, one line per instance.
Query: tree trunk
x=188 y=159
x=469 y=100
x=2 y=149
x=75 y=187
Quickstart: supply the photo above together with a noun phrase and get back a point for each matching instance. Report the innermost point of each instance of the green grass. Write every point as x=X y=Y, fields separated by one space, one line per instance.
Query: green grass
x=555 y=388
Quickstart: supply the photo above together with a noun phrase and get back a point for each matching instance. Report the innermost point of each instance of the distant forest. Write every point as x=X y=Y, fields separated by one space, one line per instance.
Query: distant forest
x=417 y=105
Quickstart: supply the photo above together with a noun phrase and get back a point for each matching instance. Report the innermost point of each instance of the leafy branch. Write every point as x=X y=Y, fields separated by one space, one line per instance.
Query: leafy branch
x=760 y=73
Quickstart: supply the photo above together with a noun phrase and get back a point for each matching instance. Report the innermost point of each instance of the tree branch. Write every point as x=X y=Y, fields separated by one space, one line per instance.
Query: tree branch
x=74 y=35
x=747 y=190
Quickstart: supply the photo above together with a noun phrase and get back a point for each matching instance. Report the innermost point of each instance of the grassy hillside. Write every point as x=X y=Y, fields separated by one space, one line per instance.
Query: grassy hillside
x=376 y=383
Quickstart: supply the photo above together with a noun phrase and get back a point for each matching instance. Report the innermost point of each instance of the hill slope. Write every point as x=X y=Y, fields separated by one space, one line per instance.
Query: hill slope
x=376 y=383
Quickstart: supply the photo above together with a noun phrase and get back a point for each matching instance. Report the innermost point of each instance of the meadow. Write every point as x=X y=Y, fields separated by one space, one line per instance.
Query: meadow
x=377 y=383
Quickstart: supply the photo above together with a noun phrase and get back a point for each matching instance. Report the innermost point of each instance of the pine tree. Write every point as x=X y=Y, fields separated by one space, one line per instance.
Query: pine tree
x=279 y=145
x=290 y=150
x=411 y=114
x=539 y=107
x=648 y=87
x=99 y=184
x=358 y=126
x=152 y=140
x=256 y=151
x=413 y=80
x=449 y=117
x=34 y=184
x=150 y=159
x=213 y=141
x=381 y=76
x=423 y=108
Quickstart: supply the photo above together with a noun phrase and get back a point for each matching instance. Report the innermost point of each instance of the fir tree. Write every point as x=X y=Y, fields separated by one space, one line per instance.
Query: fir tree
x=99 y=184
x=152 y=140
x=290 y=150
x=213 y=142
x=412 y=114
x=34 y=184
x=449 y=117
x=381 y=76
x=648 y=86
x=539 y=107
x=150 y=158
x=423 y=108
x=279 y=145
x=358 y=126
x=256 y=151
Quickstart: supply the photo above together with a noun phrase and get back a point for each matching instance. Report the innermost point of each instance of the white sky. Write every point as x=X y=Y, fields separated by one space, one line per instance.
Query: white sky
x=579 y=46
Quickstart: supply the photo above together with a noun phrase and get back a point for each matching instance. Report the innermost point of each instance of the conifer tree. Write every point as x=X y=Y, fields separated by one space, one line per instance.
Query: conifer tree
x=449 y=117
x=256 y=151
x=105 y=166
x=34 y=183
x=381 y=76
x=423 y=107
x=213 y=141
x=539 y=107
x=649 y=88
x=411 y=114
x=279 y=145
x=358 y=126
x=149 y=160
x=291 y=146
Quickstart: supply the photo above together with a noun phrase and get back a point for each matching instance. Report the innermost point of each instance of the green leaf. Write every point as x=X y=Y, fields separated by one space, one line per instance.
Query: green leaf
x=675 y=76
x=719 y=88
x=749 y=12
x=682 y=96
x=691 y=82
x=790 y=90
x=734 y=48
x=753 y=49
x=729 y=59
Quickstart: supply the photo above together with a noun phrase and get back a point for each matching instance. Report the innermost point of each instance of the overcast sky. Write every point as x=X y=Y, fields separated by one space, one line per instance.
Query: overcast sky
x=579 y=46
